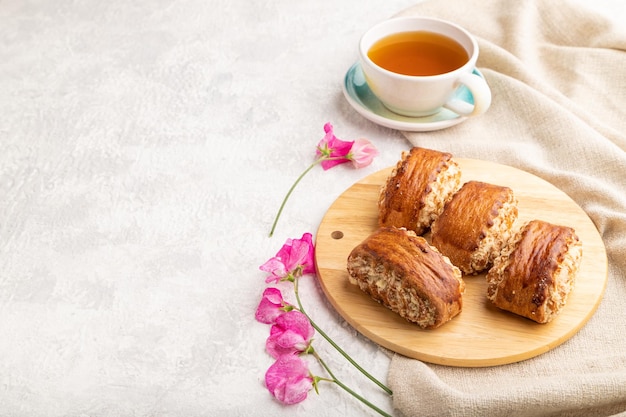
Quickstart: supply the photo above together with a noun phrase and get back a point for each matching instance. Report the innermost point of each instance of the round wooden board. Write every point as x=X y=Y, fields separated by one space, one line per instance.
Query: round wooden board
x=482 y=335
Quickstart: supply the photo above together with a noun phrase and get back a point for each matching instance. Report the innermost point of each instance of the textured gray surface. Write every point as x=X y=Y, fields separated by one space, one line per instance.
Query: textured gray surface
x=144 y=149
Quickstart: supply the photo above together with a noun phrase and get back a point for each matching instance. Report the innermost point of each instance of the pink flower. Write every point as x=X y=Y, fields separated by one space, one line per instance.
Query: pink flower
x=276 y=268
x=362 y=153
x=331 y=151
x=288 y=379
x=332 y=147
x=294 y=259
x=271 y=306
x=291 y=334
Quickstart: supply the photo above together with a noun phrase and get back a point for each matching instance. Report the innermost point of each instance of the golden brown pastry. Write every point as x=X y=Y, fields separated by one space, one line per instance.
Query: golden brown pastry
x=417 y=189
x=536 y=271
x=403 y=272
x=474 y=225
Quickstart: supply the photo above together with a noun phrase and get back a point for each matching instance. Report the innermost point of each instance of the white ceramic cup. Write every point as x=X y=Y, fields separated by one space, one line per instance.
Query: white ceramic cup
x=418 y=96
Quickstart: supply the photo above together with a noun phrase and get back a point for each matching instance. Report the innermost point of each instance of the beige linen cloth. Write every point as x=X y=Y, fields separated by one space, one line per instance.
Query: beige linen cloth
x=558 y=76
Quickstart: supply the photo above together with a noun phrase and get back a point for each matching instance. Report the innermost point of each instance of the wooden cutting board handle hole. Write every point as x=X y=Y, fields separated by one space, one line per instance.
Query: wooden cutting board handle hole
x=337 y=234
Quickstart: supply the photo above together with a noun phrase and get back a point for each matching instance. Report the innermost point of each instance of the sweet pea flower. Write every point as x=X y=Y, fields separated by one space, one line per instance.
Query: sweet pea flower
x=292 y=331
x=300 y=253
x=291 y=334
x=271 y=306
x=294 y=259
x=332 y=151
x=362 y=153
x=288 y=379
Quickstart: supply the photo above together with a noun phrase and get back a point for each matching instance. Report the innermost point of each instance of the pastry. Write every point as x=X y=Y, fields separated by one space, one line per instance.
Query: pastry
x=403 y=272
x=417 y=189
x=474 y=225
x=536 y=271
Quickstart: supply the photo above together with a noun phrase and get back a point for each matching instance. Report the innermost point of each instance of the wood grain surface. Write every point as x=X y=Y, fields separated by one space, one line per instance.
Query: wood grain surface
x=482 y=335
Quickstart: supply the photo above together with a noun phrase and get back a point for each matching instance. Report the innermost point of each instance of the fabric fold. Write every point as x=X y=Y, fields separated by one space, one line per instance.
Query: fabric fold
x=583 y=394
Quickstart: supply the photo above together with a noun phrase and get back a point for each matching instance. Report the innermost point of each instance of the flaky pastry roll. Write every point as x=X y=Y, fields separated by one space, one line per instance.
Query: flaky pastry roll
x=474 y=225
x=403 y=272
x=417 y=189
x=536 y=271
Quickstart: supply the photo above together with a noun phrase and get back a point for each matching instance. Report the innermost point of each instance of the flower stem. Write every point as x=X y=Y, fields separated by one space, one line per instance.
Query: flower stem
x=282 y=206
x=340 y=350
x=347 y=389
x=293 y=186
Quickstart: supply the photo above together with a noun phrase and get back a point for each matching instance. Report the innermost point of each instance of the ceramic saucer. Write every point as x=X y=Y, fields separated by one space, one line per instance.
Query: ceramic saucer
x=361 y=98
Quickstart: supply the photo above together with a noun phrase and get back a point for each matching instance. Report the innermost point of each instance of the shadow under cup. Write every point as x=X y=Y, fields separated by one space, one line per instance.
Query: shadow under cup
x=406 y=47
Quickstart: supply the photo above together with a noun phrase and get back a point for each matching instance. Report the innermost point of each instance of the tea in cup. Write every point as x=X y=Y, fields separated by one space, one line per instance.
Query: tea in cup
x=414 y=65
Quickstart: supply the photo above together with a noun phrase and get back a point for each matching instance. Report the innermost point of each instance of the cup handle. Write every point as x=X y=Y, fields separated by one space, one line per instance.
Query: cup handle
x=480 y=91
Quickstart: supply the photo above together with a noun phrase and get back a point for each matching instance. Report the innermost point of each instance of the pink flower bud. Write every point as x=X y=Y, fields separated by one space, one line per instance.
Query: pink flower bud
x=362 y=153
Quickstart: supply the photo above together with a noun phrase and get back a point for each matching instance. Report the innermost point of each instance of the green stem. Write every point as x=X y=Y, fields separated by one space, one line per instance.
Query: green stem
x=282 y=206
x=340 y=350
x=347 y=389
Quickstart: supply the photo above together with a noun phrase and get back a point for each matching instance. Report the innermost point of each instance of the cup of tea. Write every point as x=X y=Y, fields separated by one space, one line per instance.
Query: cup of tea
x=414 y=65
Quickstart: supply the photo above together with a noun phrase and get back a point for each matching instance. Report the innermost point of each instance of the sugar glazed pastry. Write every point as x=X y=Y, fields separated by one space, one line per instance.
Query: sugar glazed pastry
x=474 y=225
x=417 y=189
x=403 y=272
x=536 y=271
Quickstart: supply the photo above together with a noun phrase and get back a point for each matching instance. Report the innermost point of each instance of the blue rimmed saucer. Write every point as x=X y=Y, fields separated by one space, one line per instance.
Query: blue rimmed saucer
x=361 y=98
